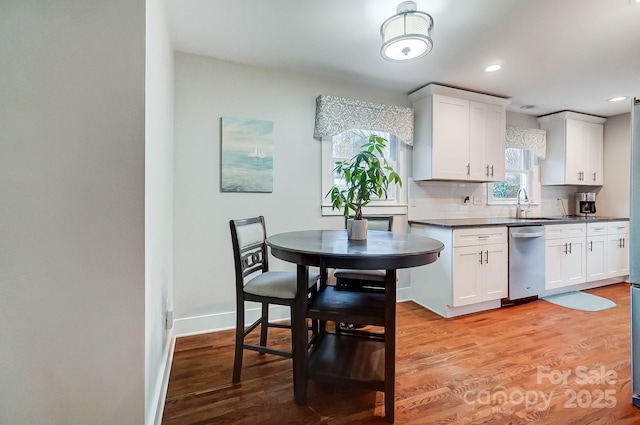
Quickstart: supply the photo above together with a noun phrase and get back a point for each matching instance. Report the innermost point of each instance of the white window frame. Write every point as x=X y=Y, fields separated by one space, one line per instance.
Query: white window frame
x=533 y=188
x=396 y=206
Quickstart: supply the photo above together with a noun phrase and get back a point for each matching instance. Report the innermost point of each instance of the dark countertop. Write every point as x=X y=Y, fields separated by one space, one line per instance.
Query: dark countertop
x=509 y=221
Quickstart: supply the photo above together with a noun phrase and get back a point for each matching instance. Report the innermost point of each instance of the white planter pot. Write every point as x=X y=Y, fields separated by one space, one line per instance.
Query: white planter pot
x=357 y=229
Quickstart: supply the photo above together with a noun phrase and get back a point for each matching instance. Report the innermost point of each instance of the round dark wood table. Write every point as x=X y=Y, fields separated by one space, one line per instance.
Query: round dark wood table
x=331 y=358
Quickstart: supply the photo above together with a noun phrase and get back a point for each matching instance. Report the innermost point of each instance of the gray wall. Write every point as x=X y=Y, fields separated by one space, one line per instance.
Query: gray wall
x=613 y=198
x=72 y=212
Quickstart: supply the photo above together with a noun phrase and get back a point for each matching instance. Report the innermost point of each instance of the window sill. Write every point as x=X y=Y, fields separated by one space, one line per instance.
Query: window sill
x=389 y=209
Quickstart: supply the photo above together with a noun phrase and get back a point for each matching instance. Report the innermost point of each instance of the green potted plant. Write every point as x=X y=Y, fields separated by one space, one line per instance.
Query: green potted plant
x=367 y=177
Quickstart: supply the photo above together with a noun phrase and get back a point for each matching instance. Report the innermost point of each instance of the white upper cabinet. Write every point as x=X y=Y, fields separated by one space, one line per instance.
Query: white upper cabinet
x=459 y=135
x=450 y=126
x=574 y=149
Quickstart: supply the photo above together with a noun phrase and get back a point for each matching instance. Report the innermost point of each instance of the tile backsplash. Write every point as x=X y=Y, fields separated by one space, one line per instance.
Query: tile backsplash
x=439 y=199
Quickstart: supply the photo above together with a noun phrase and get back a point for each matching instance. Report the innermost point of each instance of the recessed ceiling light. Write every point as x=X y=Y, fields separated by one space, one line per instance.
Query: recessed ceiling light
x=617 y=99
x=527 y=107
x=492 y=68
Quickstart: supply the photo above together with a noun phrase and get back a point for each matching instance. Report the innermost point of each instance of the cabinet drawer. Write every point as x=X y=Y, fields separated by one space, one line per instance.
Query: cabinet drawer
x=618 y=227
x=557 y=231
x=596 y=229
x=479 y=235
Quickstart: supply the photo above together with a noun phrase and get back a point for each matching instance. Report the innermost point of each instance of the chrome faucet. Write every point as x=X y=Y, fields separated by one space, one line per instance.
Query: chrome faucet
x=520 y=211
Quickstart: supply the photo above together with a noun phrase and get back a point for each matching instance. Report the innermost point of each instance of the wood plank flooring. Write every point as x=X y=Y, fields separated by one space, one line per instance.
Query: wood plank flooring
x=531 y=363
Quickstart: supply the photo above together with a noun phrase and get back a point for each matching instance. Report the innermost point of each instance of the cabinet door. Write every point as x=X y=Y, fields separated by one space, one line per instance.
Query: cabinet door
x=574 y=262
x=577 y=151
x=486 y=142
x=494 y=278
x=450 y=156
x=596 y=258
x=467 y=275
x=554 y=255
x=594 y=172
x=618 y=255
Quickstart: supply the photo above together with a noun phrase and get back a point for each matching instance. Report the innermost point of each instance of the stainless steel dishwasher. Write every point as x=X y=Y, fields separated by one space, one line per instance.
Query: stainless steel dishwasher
x=526 y=262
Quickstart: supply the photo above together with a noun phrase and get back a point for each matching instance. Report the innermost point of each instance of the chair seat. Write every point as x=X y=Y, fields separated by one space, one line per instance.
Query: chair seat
x=277 y=284
x=371 y=275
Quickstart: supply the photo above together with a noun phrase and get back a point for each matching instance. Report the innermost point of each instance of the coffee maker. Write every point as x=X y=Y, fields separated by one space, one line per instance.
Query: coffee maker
x=586 y=204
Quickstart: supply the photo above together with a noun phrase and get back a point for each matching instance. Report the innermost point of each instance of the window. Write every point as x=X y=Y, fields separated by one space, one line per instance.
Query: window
x=520 y=173
x=343 y=147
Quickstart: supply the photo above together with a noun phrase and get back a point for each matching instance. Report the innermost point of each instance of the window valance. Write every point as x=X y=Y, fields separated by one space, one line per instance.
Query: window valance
x=335 y=115
x=533 y=139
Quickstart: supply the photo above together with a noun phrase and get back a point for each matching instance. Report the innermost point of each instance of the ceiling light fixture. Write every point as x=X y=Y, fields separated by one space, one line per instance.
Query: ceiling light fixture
x=617 y=99
x=493 y=68
x=406 y=35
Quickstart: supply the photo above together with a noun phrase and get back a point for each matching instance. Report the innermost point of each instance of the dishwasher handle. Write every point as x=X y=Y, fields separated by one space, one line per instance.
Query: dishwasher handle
x=527 y=235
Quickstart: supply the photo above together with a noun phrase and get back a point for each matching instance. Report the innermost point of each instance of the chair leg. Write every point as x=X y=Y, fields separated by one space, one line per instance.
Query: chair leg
x=237 y=362
x=265 y=324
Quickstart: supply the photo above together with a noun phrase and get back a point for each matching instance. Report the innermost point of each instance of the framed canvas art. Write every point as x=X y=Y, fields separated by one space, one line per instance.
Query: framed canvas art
x=246 y=155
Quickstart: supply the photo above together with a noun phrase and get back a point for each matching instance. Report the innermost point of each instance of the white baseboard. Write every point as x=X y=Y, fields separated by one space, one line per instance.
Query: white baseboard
x=154 y=417
x=227 y=320
x=223 y=321
x=584 y=286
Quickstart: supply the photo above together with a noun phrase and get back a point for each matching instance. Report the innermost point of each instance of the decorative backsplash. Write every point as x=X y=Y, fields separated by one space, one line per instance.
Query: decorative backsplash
x=437 y=199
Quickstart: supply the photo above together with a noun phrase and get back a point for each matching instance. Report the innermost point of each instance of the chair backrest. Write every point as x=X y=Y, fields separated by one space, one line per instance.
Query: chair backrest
x=250 y=255
x=377 y=222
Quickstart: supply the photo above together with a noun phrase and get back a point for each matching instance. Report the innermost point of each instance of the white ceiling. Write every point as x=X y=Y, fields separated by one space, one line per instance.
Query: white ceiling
x=556 y=54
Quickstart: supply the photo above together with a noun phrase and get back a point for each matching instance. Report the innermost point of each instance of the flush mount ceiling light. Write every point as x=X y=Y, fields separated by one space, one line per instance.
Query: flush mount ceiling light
x=406 y=35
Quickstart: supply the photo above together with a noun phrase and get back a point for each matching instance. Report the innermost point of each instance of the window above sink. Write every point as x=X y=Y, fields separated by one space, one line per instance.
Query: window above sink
x=521 y=173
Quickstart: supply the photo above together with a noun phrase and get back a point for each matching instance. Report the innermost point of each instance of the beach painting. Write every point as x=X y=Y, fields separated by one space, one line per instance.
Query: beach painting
x=246 y=155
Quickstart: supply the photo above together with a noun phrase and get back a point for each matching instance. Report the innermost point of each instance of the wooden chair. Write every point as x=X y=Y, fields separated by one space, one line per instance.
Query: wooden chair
x=364 y=280
x=254 y=282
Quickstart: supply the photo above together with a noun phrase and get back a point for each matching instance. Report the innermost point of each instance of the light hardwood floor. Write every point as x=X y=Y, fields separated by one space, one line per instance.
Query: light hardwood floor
x=531 y=363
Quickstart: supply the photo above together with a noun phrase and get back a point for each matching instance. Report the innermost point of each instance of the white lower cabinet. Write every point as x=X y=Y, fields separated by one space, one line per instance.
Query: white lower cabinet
x=618 y=249
x=596 y=258
x=596 y=251
x=472 y=272
x=565 y=257
x=572 y=259
x=479 y=273
x=469 y=276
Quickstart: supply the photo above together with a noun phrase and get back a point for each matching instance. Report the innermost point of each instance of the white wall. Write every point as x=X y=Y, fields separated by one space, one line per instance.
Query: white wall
x=158 y=207
x=207 y=89
x=72 y=212
x=613 y=198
